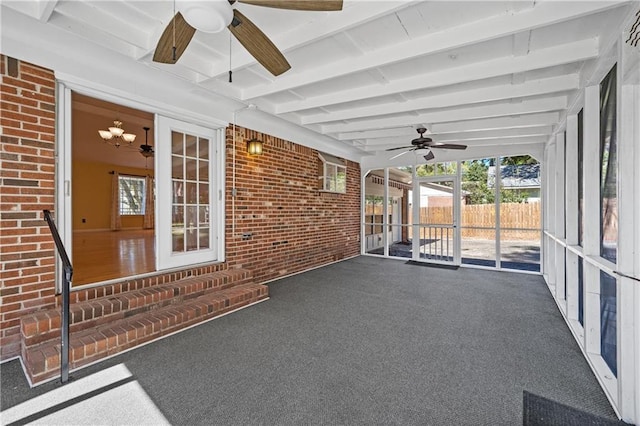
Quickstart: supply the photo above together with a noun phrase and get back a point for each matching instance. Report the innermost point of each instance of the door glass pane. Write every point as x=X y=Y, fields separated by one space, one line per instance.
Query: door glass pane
x=203 y=149
x=203 y=172
x=177 y=230
x=203 y=217
x=192 y=192
x=192 y=169
x=204 y=238
x=177 y=167
x=203 y=193
x=192 y=239
x=177 y=143
x=191 y=146
x=178 y=192
x=191 y=228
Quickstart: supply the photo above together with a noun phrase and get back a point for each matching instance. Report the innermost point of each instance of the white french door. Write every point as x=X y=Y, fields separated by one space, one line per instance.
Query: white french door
x=189 y=194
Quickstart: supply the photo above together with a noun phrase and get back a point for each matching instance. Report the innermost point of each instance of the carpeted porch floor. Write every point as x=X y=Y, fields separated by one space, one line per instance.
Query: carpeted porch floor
x=364 y=341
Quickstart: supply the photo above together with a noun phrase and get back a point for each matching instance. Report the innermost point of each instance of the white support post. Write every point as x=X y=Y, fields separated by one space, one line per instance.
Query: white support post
x=571 y=230
x=497 y=199
x=551 y=216
x=559 y=220
x=385 y=214
x=628 y=309
x=591 y=232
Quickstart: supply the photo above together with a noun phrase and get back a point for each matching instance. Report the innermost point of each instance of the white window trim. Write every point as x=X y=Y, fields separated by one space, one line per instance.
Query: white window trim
x=329 y=160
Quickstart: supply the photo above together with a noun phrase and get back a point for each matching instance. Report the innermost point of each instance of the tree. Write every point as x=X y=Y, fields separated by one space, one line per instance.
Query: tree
x=474 y=182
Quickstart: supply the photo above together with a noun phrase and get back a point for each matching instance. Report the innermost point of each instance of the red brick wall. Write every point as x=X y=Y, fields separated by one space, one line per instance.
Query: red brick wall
x=293 y=225
x=27 y=116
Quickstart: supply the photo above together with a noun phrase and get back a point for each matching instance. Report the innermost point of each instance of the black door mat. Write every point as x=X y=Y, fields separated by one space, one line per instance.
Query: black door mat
x=432 y=265
x=539 y=411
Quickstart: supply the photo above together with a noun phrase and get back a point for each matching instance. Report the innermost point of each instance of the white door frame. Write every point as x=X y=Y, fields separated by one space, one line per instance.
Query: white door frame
x=456 y=256
x=66 y=84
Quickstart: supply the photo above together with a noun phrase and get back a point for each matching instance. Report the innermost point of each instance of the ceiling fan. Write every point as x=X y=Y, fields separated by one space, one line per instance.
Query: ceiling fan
x=422 y=146
x=214 y=15
x=146 y=150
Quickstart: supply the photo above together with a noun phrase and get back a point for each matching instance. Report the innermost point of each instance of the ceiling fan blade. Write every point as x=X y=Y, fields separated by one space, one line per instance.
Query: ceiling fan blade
x=429 y=156
x=183 y=35
x=258 y=44
x=312 y=5
x=399 y=147
x=398 y=155
x=448 y=146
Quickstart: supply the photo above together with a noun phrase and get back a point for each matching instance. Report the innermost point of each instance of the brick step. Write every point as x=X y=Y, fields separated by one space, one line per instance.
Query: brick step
x=43 y=361
x=45 y=325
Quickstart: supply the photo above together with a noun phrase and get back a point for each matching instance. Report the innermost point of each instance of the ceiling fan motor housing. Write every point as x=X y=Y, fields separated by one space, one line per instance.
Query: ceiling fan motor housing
x=211 y=16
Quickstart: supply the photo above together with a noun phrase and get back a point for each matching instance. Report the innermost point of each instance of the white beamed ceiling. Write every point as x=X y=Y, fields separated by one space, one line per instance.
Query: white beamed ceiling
x=488 y=74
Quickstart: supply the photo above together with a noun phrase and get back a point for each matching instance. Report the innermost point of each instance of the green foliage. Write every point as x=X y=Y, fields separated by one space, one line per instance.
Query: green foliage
x=474 y=182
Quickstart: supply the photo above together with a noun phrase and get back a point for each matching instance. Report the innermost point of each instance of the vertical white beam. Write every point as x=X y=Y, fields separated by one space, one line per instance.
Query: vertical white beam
x=385 y=214
x=415 y=238
x=363 y=237
x=544 y=261
x=457 y=232
x=551 y=215
x=571 y=182
x=591 y=232
x=628 y=259
x=559 y=219
x=497 y=185
x=591 y=171
x=571 y=229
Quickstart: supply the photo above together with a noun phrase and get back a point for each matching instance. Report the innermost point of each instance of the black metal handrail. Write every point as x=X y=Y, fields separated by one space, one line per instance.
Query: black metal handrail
x=66 y=285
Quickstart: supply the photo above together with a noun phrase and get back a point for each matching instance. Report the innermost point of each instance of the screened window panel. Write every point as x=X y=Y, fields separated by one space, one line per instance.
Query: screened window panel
x=609 y=169
x=580 y=177
x=608 y=321
x=581 y=291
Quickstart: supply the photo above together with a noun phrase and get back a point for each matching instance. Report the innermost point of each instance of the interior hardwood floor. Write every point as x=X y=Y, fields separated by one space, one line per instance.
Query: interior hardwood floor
x=105 y=255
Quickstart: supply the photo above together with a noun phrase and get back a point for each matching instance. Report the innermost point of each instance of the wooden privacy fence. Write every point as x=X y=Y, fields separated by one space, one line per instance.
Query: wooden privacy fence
x=519 y=221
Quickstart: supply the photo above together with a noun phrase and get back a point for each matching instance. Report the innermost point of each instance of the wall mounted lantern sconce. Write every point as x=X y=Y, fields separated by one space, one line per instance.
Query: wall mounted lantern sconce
x=254 y=147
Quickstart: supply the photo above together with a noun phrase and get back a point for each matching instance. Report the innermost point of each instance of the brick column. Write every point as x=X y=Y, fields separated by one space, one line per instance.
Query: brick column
x=27 y=262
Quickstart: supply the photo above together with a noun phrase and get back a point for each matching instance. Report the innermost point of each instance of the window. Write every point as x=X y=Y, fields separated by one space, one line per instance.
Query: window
x=608 y=169
x=132 y=190
x=334 y=174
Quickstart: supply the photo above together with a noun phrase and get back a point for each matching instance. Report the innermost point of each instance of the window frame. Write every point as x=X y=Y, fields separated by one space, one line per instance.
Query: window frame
x=330 y=180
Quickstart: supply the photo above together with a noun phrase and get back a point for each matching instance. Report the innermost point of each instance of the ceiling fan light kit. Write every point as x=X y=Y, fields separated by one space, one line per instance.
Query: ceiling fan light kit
x=210 y=16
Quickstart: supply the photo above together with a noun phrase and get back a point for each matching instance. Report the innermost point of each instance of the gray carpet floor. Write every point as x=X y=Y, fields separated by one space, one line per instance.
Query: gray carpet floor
x=364 y=341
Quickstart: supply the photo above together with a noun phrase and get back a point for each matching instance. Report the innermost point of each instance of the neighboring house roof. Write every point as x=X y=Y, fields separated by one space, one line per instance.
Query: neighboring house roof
x=518 y=176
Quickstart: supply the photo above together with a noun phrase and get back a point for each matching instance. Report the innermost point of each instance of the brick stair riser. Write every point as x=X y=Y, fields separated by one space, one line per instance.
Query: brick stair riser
x=112 y=340
x=94 y=313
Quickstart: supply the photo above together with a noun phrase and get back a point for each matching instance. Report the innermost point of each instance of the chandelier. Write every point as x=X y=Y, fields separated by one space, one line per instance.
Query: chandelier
x=115 y=134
